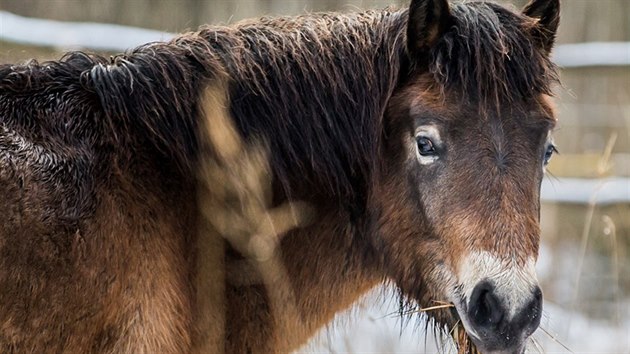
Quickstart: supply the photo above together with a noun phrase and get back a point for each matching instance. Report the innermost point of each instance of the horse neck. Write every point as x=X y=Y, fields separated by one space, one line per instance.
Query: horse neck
x=314 y=89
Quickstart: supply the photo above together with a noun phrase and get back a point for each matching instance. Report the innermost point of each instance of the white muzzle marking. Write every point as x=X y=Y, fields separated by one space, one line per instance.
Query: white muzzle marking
x=513 y=283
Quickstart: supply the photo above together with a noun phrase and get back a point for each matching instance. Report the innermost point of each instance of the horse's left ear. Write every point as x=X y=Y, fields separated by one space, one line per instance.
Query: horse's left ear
x=428 y=20
x=547 y=15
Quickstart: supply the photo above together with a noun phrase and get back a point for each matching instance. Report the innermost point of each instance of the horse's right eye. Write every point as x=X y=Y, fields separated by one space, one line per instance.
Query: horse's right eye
x=425 y=146
x=548 y=153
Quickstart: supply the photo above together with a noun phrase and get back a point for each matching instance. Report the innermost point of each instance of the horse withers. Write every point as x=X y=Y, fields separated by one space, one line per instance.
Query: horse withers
x=416 y=139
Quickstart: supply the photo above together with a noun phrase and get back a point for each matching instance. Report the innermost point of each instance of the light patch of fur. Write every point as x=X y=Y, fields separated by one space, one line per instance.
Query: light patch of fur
x=16 y=144
x=514 y=283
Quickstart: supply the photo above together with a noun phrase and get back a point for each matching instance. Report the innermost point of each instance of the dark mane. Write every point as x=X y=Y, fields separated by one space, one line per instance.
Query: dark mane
x=315 y=88
x=145 y=95
x=32 y=75
x=312 y=87
x=488 y=58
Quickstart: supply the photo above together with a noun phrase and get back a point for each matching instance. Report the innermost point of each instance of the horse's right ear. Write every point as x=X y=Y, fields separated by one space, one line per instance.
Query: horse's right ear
x=428 y=20
x=547 y=16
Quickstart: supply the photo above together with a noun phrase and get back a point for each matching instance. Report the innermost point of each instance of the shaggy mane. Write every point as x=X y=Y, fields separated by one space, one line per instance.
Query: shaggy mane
x=314 y=88
x=488 y=57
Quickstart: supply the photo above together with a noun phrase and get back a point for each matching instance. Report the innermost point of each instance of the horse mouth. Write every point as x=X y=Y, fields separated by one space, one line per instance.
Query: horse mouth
x=449 y=316
x=463 y=341
x=466 y=343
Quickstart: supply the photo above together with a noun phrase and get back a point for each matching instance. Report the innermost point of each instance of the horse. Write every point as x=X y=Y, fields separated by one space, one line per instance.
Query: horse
x=408 y=147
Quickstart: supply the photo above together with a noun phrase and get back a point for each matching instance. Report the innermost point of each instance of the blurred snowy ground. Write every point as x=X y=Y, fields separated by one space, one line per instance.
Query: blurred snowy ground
x=373 y=326
x=369 y=329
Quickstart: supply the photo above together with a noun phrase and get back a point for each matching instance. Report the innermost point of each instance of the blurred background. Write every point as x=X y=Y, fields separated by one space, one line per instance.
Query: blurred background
x=584 y=265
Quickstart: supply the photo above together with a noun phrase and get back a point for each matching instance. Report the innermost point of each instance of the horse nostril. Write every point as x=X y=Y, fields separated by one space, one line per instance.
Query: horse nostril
x=530 y=316
x=485 y=309
x=538 y=296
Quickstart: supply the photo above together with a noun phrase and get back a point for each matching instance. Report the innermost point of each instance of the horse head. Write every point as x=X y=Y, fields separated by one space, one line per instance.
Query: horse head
x=469 y=128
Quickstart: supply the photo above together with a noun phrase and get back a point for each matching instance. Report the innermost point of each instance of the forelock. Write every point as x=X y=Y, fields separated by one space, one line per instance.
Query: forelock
x=489 y=58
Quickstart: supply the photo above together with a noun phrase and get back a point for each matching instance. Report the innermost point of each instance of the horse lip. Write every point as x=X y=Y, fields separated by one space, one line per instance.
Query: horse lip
x=520 y=350
x=454 y=313
x=477 y=340
x=461 y=305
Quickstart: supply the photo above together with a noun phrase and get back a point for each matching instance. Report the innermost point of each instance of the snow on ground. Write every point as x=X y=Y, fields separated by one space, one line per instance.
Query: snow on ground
x=580 y=333
x=371 y=328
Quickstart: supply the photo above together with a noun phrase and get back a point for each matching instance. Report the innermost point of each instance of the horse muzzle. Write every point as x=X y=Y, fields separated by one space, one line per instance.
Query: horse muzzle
x=499 y=302
x=496 y=328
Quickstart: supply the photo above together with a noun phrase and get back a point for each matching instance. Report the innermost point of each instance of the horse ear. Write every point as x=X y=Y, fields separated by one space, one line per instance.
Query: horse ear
x=428 y=20
x=547 y=15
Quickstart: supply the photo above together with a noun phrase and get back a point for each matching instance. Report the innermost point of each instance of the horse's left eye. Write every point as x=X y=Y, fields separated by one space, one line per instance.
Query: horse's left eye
x=425 y=146
x=548 y=153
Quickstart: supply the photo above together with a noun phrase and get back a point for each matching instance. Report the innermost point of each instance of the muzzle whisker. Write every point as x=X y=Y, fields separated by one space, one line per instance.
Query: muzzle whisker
x=555 y=339
x=537 y=345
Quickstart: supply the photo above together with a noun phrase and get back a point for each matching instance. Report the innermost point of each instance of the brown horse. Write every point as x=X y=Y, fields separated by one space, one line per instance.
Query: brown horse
x=416 y=138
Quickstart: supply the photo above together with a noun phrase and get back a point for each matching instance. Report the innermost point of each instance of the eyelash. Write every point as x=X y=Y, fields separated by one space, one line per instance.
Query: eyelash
x=549 y=151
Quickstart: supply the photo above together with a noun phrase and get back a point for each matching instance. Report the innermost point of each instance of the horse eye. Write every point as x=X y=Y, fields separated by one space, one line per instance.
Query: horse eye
x=548 y=153
x=425 y=146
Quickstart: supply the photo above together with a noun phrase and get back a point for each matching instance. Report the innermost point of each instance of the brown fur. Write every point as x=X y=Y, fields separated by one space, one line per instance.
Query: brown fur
x=115 y=181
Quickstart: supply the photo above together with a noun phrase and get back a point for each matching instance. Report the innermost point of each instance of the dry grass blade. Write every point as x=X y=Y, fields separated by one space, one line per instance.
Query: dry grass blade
x=610 y=229
x=463 y=342
x=553 y=338
x=450 y=333
x=442 y=302
x=437 y=307
x=442 y=305
x=427 y=309
x=604 y=164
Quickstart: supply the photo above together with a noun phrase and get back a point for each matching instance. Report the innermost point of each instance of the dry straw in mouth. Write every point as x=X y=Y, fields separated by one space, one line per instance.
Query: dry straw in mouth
x=462 y=340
